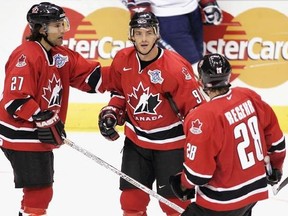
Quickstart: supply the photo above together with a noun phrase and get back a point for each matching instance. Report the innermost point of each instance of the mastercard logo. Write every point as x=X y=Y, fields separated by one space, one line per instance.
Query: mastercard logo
x=254 y=41
x=256 y=44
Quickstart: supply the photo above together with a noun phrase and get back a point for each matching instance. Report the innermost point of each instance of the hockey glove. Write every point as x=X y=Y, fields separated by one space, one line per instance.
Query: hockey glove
x=275 y=177
x=49 y=127
x=212 y=12
x=133 y=7
x=175 y=184
x=109 y=117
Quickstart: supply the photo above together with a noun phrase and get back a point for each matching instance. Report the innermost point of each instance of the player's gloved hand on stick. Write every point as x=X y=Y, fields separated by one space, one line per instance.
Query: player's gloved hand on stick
x=275 y=177
x=109 y=117
x=178 y=190
x=50 y=128
x=212 y=12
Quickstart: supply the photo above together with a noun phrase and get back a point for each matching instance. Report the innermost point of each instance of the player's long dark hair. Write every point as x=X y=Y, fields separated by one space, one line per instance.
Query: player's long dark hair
x=35 y=34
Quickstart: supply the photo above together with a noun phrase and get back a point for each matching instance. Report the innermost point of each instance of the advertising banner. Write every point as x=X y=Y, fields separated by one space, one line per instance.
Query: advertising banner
x=253 y=36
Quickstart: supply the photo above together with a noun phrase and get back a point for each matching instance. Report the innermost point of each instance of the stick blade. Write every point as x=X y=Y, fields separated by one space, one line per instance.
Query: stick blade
x=275 y=189
x=281 y=185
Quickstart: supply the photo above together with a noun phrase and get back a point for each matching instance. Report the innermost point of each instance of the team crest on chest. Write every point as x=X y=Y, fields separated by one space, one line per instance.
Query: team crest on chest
x=155 y=76
x=53 y=92
x=60 y=60
x=143 y=101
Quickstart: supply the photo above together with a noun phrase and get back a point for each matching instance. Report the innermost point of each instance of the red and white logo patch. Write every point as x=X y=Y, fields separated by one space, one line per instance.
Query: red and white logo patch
x=196 y=127
x=21 y=61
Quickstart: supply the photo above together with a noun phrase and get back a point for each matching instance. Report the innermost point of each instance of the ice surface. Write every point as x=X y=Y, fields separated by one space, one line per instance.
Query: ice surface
x=84 y=188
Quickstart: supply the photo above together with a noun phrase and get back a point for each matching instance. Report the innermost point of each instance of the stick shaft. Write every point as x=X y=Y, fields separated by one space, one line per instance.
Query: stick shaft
x=123 y=175
x=268 y=166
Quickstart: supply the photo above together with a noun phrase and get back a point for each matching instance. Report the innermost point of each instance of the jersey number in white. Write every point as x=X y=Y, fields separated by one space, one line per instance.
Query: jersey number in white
x=191 y=151
x=16 y=83
x=196 y=94
x=247 y=159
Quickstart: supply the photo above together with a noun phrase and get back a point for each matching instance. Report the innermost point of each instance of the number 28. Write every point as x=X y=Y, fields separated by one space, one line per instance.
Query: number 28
x=241 y=131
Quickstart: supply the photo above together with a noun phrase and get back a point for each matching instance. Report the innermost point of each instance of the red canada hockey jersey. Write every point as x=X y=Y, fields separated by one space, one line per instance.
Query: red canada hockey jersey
x=227 y=140
x=33 y=84
x=151 y=122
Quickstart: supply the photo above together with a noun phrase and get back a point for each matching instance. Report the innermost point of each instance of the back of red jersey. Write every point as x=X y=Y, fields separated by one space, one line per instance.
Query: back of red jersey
x=227 y=140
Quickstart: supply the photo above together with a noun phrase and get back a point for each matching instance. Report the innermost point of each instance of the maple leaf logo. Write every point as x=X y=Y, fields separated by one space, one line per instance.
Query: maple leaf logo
x=196 y=127
x=142 y=101
x=53 y=92
x=21 y=61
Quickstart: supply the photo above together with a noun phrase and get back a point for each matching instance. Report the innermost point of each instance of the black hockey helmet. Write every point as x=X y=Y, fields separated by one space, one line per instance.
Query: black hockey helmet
x=43 y=13
x=214 y=71
x=144 y=20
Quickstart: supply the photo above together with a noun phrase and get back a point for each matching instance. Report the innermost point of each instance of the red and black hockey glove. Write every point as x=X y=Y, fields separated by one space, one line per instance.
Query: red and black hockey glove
x=109 y=117
x=212 y=12
x=180 y=193
x=133 y=7
x=50 y=128
x=275 y=177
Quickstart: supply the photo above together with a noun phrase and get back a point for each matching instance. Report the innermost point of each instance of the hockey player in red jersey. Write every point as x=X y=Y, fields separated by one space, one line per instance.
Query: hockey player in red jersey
x=229 y=140
x=34 y=103
x=146 y=78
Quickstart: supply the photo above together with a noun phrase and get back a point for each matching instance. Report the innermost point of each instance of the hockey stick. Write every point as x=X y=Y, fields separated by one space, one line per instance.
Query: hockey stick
x=269 y=172
x=174 y=106
x=282 y=185
x=123 y=175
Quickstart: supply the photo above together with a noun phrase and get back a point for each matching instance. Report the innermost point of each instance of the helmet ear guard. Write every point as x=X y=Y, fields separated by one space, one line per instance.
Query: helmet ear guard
x=214 y=71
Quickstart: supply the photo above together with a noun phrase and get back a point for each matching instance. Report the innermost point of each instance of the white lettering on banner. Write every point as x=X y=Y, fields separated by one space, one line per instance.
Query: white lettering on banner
x=89 y=48
x=270 y=50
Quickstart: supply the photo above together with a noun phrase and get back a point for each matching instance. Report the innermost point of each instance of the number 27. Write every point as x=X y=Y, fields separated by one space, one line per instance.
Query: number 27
x=16 y=83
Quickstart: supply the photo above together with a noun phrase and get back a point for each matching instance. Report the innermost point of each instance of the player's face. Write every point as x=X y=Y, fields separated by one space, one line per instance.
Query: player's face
x=56 y=30
x=144 y=39
x=60 y=25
